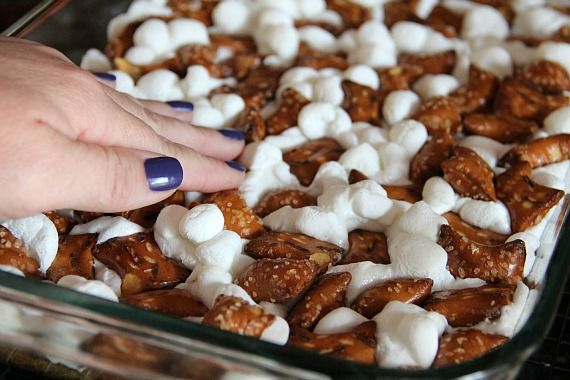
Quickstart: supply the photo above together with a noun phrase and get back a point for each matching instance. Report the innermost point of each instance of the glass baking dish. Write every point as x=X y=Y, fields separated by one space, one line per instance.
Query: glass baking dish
x=61 y=325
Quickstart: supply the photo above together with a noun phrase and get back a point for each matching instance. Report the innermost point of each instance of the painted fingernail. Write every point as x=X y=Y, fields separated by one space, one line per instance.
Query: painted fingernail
x=106 y=76
x=236 y=166
x=163 y=173
x=180 y=105
x=232 y=134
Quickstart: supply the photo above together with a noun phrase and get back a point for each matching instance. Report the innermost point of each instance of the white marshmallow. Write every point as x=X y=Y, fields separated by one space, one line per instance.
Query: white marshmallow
x=154 y=35
x=371 y=45
x=339 y=320
x=487 y=215
x=39 y=236
x=138 y=10
x=281 y=40
x=494 y=59
x=91 y=287
x=432 y=85
x=204 y=283
x=107 y=276
x=230 y=105
x=494 y=25
x=204 y=115
x=96 y=61
x=140 y=55
x=167 y=235
x=365 y=275
x=488 y=149
x=375 y=56
x=162 y=85
x=329 y=174
x=411 y=37
x=539 y=22
x=327 y=89
x=11 y=269
x=439 y=195
x=124 y=82
x=313 y=221
x=220 y=250
x=318 y=38
x=288 y=139
x=395 y=162
x=399 y=328
x=424 y=7
x=108 y=227
x=232 y=17
x=420 y=219
x=202 y=223
x=409 y=134
x=399 y=105
x=298 y=74
x=531 y=244
x=277 y=332
x=198 y=82
x=558 y=121
x=363 y=75
x=185 y=31
x=363 y=158
x=362 y=132
x=318 y=120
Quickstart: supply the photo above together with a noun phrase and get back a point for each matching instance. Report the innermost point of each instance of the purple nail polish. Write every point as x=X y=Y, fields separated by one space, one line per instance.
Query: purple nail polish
x=163 y=173
x=106 y=76
x=236 y=166
x=180 y=105
x=232 y=134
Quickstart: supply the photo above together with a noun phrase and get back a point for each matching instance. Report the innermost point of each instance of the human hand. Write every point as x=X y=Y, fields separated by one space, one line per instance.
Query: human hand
x=70 y=141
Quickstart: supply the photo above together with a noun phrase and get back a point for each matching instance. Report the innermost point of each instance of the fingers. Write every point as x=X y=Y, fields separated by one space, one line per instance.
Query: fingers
x=171 y=123
x=62 y=173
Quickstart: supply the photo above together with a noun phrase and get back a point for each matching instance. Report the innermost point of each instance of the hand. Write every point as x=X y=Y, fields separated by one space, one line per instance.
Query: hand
x=70 y=141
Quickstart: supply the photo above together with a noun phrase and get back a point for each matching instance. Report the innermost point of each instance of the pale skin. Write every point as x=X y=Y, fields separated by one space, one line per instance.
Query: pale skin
x=71 y=141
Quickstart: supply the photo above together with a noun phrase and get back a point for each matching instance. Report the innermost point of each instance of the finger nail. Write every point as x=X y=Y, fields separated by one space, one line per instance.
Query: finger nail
x=236 y=166
x=232 y=134
x=163 y=173
x=106 y=76
x=180 y=105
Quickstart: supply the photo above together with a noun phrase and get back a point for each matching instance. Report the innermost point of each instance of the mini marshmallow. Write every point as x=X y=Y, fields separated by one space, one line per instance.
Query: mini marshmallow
x=138 y=10
x=198 y=82
x=312 y=221
x=232 y=290
x=277 y=332
x=230 y=105
x=124 y=82
x=487 y=215
x=204 y=283
x=488 y=149
x=267 y=171
x=91 y=287
x=339 y=320
x=494 y=59
x=185 y=31
x=553 y=175
x=107 y=276
x=318 y=120
x=538 y=22
x=420 y=219
x=363 y=75
x=96 y=61
x=154 y=35
x=220 y=250
x=395 y=162
x=409 y=134
x=298 y=74
x=140 y=56
x=281 y=40
x=432 y=85
x=347 y=40
x=232 y=17
x=167 y=235
x=362 y=132
x=399 y=105
x=202 y=223
x=558 y=121
x=370 y=45
x=327 y=89
x=204 y=115
x=424 y=7
x=241 y=262
x=39 y=236
x=318 y=38
x=108 y=227
x=439 y=195
x=11 y=269
x=416 y=256
x=363 y=158
x=374 y=56
x=411 y=37
x=375 y=33
x=329 y=174
x=288 y=139
x=162 y=85
x=399 y=328
x=494 y=25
